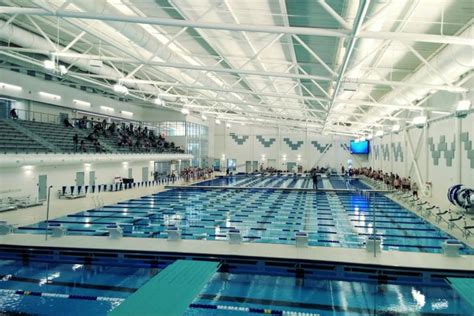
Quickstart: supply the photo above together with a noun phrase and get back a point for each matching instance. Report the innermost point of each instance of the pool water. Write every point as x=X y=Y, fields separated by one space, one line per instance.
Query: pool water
x=284 y=181
x=343 y=219
x=233 y=294
x=42 y=288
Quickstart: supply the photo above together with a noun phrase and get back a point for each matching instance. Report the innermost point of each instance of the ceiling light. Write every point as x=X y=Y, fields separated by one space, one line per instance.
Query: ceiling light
x=10 y=86
x=203 y=117
x=463 y=108
x=49 y=95
x=370 y=136
x=396 y=128
x=81 y=103
x=49 y=64
x=106 y=108
x=158 y=101
x=62 y=70
x=127 y=113
x=242 y=123
x=379 y=133
x=185 y=111
x=228 y=125
x=120 y=89
x=218 y=122
x=419 y=121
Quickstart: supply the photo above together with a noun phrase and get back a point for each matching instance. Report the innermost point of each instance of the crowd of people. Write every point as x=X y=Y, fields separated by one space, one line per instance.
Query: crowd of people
x=391 y=180
x=136 y=138
x=194 y=173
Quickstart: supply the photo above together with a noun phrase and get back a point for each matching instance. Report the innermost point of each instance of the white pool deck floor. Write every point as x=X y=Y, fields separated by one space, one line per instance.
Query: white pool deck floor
x=59 y=208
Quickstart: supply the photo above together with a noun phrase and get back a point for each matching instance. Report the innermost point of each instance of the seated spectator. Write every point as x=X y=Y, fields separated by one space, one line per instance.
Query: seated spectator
x=82 y=147
x=75 y=139
x=92 y=136
x=13 y=114
x=67 y=123
x=83 y=122
x=97 y=146
x=112 y=128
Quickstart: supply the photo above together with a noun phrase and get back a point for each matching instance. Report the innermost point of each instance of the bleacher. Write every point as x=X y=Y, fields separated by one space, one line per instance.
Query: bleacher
x=14 y=141
x=113 y=140
x=58 y=135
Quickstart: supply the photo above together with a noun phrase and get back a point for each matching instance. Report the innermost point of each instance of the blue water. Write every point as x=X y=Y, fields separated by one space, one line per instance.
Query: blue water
x=283 y=181
x=86 y=282
x=323 y=297
x=77 y=287
x=265 y=216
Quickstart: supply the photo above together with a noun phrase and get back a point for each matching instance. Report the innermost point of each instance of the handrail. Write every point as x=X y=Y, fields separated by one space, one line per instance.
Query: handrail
x=35 y=116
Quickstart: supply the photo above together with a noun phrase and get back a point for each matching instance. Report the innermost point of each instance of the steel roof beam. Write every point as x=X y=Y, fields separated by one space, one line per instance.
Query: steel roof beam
x=408 y=37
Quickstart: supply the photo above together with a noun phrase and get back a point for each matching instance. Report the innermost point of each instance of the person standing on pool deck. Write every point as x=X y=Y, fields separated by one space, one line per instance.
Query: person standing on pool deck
x=315 y=180
x=414 y=188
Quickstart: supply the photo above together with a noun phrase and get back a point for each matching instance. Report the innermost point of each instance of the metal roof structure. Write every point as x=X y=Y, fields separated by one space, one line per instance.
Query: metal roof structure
x=332 y=66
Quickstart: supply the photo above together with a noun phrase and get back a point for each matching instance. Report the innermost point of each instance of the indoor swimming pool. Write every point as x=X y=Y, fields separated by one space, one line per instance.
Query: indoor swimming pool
x=342 y=219
x=82 y=287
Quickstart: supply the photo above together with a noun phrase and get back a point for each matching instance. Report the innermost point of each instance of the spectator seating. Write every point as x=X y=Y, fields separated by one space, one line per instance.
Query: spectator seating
x=58 y=135
x=14 y=141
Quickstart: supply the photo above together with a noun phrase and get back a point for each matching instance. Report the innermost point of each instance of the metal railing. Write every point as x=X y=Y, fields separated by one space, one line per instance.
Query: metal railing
x=34 y=116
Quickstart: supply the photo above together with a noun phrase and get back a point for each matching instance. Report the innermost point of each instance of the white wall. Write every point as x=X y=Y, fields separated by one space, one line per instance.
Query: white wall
x=448 y=161
x=33 y=85
x=305 y=154
x=22 y=181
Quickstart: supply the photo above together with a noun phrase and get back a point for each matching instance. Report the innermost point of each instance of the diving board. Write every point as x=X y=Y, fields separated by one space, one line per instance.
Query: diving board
x=464 y=287
x=171 y=291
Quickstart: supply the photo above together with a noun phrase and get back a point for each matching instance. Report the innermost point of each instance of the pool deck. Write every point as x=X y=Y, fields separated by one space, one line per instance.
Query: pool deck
x=396 y=259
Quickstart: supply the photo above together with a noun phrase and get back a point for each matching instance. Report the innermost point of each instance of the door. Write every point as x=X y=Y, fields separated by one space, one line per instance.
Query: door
x=216 y=165
x=130 y=173
x=145 y=174
x=248 y=167
x=5 y=107
x=290 y=166
x=62 y=117
x=91 y=178
x=42 y=187
x=255 y=166
x=231 y=164
x=80 y=178
x=272 y=163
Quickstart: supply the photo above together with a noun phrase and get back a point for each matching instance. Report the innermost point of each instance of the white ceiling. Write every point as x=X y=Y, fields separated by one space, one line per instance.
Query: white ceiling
x=267 y=62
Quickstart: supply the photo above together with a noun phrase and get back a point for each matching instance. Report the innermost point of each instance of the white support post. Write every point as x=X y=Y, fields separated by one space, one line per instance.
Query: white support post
x=414 y=157
x=458 y=164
